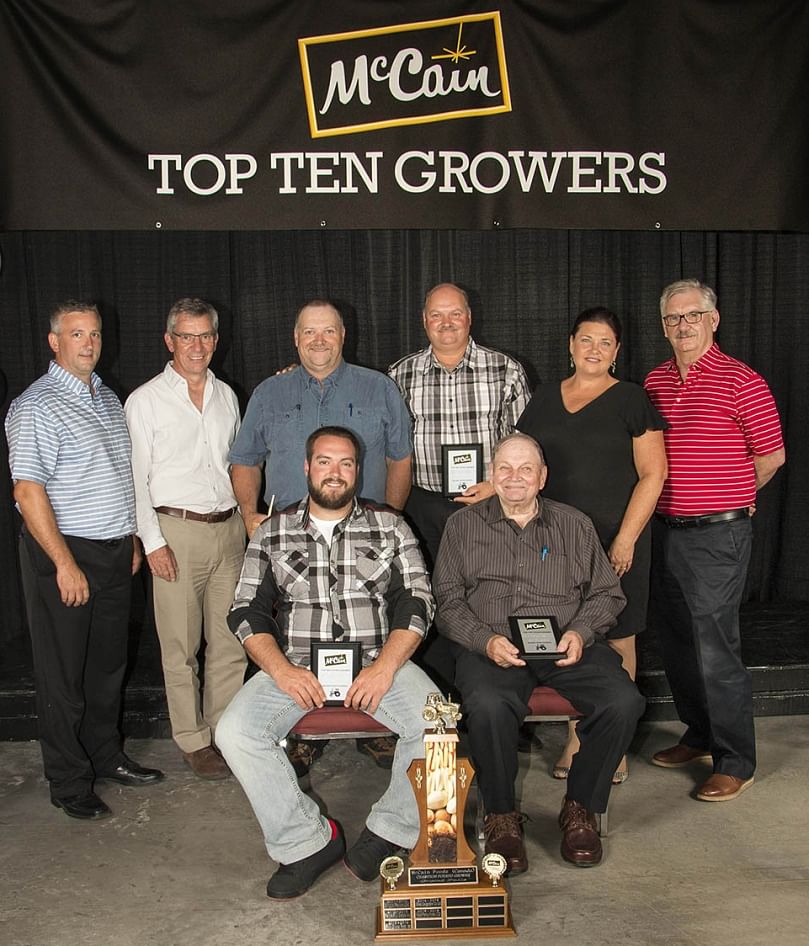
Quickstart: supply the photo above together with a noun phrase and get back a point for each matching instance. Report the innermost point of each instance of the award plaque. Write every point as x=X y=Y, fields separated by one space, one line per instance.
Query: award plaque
x=535 y=637
x=461 y=467
x=335 y=665
x=442 y=894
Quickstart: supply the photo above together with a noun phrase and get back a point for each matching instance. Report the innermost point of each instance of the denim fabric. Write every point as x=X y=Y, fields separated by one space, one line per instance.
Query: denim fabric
x=249 y=735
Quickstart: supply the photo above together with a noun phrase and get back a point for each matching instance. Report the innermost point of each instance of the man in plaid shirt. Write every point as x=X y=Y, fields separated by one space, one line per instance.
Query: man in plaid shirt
x=333 y=569
x=457 y=392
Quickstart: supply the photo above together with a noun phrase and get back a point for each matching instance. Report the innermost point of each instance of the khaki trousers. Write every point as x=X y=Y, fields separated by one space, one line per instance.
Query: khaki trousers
x=209 y=561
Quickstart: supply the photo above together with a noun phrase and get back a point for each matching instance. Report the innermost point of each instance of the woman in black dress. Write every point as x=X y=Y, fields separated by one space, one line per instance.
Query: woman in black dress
x=603 y=443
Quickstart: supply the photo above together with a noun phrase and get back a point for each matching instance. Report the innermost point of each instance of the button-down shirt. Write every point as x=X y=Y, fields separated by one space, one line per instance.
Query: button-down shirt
x=295 y=585
x=479 y=401
x=720 y=418
x=286 y=408
x=180 y=454
x=71 y=438
x=489 y=569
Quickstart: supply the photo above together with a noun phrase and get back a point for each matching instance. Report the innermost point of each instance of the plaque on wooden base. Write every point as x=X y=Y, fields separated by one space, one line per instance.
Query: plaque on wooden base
x=441 y=894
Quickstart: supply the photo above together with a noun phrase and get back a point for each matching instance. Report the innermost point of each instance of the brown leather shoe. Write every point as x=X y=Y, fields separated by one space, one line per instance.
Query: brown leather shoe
x=721 y=787
x=678 y=756
x=581 y=844
x=503 y=835
x=208 y=764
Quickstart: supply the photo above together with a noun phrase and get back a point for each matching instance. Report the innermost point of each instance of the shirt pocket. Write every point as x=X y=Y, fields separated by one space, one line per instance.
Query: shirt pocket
x=366 y=422
x=373 y=568
x=291 y=570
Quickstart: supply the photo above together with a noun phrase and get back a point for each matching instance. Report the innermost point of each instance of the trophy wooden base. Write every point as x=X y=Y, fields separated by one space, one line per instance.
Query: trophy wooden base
x=443 y=911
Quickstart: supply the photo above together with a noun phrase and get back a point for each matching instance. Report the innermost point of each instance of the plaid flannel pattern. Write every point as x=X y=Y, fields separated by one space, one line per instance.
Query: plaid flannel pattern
x=479 y=401
x=370 y=580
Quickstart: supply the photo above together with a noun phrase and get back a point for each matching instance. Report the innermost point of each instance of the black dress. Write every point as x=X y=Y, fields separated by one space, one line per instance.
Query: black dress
x=591 y=466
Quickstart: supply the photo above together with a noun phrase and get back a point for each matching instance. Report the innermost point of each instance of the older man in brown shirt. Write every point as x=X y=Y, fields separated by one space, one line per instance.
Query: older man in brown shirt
x=517 y=554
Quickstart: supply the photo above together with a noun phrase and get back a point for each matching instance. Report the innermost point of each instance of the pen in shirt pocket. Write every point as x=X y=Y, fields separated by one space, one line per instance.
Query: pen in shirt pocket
x=350 y=410
x=545 y=552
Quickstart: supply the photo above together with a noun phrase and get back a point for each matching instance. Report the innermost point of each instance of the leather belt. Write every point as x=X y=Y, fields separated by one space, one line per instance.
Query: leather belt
x=195 y=516
x=695 y=522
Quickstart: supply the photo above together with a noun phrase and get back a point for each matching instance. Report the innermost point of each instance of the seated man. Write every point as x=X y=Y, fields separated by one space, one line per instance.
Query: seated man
x=331 y=568
x=517 y=554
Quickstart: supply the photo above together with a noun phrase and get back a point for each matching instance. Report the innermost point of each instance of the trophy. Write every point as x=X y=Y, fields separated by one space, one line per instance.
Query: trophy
x=440 y=894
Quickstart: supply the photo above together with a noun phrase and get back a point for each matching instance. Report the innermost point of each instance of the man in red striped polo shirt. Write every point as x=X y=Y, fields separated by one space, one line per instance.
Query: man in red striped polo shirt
x=723 y=444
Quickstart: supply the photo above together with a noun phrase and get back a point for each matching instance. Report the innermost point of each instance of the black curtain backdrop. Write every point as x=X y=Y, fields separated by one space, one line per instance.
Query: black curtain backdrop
x=526 y=287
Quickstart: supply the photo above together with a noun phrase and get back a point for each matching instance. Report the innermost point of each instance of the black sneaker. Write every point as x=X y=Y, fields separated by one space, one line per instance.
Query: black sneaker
x=367 y=853
x=303 y=754
x=380 y=748
x=292 y=880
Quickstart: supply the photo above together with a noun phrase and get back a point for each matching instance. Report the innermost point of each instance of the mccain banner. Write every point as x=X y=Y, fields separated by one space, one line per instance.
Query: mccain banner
x=261 y=114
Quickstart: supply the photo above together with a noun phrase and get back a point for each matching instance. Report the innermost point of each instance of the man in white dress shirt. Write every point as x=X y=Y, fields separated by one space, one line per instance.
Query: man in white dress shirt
x=182 y=424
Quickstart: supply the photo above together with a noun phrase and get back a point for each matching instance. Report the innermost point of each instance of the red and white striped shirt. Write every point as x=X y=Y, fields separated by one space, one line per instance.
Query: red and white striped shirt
x=719 y=418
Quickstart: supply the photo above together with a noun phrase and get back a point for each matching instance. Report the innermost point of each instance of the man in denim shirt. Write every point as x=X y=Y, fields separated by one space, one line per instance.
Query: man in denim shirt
x=322 y=390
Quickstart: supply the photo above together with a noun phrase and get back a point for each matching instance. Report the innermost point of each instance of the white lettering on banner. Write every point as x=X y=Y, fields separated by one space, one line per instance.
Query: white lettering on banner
x=645 y=163
x=163 y=160
x=322 y=165
x=241 y=167
x=407 y=62
x=416 y=172
x=537 y=161
x=580 y=172
x=591 y=172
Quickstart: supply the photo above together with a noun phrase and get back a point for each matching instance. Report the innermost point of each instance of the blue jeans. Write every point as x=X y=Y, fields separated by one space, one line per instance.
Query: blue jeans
x=249 y=735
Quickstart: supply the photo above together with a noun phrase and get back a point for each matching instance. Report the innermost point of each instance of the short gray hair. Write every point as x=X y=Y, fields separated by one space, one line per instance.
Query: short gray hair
x=683 y=285
x=196 y=308
x=516 y=437
x=62 y=309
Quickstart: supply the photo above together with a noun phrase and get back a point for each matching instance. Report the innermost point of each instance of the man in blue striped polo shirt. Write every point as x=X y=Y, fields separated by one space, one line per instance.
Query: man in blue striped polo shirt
x=69 y=454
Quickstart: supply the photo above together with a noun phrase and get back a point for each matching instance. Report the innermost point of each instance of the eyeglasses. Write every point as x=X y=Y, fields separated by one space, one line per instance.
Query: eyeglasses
x=187 y=338
x=692 y=318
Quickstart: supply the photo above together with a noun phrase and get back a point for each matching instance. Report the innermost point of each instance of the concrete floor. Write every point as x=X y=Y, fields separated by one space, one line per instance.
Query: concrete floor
x=182 y=863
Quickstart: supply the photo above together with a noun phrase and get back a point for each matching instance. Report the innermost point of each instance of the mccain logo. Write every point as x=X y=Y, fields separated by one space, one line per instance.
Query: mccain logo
x=407 y=74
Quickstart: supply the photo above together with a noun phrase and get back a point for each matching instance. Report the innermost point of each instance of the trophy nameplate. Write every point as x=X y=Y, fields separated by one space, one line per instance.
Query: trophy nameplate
x=442 y=893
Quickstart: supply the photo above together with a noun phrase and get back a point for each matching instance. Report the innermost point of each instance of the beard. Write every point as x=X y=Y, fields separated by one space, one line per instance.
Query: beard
x=331 y=499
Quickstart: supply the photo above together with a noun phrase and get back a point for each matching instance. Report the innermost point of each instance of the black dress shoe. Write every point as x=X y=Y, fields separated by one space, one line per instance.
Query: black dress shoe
x=130 y=773
x=86 y=806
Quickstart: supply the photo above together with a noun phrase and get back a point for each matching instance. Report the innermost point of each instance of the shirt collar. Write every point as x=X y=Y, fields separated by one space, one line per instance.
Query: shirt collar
x=331 y=379
x=710 y=359
x=176 y=380
x=72 y=383
x=302 y=519
x=468 y=360
x=492 y=511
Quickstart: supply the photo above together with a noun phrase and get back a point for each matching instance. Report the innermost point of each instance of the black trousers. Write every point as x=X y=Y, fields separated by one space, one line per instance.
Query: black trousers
x=427 y=513
x=495 y=702
x=79 y=659
x=698 y=578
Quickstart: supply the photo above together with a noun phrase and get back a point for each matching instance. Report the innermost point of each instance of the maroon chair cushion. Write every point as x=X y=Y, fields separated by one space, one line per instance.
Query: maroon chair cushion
x=545 y=701
x=337 y=719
